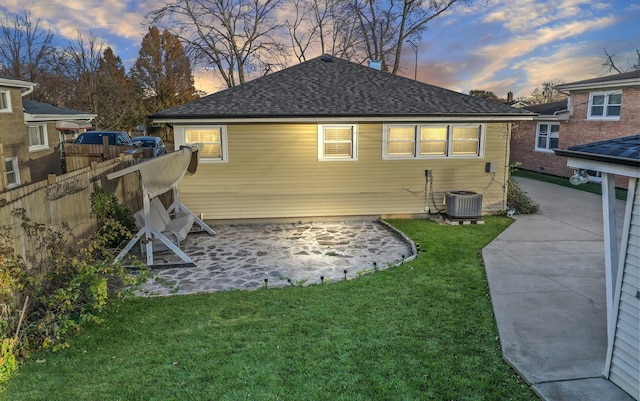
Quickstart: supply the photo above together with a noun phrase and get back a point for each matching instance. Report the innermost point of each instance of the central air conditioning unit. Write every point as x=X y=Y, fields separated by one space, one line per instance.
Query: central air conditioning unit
x=463 y=204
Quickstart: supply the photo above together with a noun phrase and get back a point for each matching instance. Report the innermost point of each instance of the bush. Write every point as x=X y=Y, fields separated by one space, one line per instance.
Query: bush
x=519 y=201
x=62 y=287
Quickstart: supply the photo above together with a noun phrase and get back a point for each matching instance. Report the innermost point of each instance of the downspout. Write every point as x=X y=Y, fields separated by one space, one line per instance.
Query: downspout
x=28 y=91
x=507 y=170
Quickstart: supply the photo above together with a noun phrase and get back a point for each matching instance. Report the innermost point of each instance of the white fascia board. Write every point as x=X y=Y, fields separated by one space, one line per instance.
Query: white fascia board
x=55 y=117
x=16 y=83
x=600 y=85
x=627 y=171
x=452 y=118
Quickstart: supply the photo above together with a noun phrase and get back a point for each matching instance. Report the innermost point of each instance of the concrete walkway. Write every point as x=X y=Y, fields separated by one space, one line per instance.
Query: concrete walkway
x=547 y=284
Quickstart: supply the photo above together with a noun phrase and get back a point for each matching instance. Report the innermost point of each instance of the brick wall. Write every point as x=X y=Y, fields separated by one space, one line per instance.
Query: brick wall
x=578 y=130
x=13 y=135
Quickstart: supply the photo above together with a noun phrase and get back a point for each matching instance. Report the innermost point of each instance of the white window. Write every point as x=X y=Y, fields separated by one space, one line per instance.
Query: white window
x=338 y=142
x=214 y=139
x=409 y=141
x=605 y=105
x=11 y=168
x=547 y=136
x=38 y=138
x=5 y=101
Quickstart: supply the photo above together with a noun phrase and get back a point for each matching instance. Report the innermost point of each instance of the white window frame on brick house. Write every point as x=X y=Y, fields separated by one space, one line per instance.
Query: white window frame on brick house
x=13 y=173
x=5 y=101
x=337 y=142
x=548 y=135
x=213 y=137
x=426 y=141
x=38 y=137
x=603 y=107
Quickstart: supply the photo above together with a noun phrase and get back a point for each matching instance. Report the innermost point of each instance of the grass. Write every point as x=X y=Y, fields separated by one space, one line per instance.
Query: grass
x=420 y=331
x=591 y=187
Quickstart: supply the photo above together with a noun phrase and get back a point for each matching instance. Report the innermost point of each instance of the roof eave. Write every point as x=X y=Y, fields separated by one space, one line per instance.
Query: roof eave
x=597 y=157
x=54 y=117
x=328 y=118
x=600 y=85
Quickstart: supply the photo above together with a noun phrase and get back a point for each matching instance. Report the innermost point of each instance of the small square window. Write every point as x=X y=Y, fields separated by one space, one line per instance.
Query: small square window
x=38 y=139
x=547 y=136
x=605 y=106
x=337 y=142
x=213 y=139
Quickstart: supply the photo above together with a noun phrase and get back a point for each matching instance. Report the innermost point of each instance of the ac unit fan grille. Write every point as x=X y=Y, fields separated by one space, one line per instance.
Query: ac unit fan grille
x=463 y=204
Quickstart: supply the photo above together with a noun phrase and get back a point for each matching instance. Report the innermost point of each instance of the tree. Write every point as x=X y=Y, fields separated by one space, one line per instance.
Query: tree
x=162 y=74
x=612 y=62
x=547 y=93
x=79 y=65
x=28 y=52
x=233 y=37
x=386 y=25
x=116 y=101
x=484 y=94
x=324 y=27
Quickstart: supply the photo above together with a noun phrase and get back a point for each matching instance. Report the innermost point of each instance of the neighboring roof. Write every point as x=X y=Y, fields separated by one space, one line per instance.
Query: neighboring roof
x=631 y=78
x=549 y=109
x=624 y=151
x=33 y=107
x=330 y=87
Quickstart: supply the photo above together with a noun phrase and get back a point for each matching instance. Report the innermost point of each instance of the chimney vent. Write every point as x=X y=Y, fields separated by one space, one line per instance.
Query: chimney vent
x=510 y=96
x=375 y=64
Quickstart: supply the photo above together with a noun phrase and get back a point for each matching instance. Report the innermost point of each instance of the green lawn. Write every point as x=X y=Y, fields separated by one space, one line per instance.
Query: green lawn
x=420 y=331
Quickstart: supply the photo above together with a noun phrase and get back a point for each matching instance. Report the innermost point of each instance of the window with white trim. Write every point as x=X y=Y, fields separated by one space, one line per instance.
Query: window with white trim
x=547 y=136
x=214 y=139
x=38 y=138
x=415 y=141
x=604 y=105
x=11 y=168
x=5 y=101
x=338 y=142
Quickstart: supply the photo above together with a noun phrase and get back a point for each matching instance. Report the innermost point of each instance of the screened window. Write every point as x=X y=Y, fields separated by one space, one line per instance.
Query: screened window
x=5 y=101
x=337 y=142
x=425 y=141
x=213 y=139
x=38 y=137
x=605 y=105
x=11 y=168
x=547 y=136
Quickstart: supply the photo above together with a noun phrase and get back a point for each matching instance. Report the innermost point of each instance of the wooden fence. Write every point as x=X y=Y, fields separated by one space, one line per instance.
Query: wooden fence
x=78 y=156
x=65 y=201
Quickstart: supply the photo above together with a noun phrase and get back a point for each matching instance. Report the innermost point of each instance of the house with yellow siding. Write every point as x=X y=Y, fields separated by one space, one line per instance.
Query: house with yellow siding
x=330 y=138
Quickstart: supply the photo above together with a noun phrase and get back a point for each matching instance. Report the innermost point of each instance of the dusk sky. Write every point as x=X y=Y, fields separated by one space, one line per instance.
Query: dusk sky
x=495 y=45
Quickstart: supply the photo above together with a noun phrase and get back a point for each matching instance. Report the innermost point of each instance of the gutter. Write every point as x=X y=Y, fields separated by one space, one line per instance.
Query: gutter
x=599 y=158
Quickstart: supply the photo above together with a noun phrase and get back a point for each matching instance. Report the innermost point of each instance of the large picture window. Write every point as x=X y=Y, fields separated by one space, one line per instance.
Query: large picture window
x=409 y=141
x=214 y=139
x=547 y=136
x=338 y=142
x=38 y=139
x=605 y=105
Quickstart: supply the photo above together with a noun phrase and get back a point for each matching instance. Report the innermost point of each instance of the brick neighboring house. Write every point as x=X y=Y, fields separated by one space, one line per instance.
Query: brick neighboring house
x=30 y=134
x=597 y=109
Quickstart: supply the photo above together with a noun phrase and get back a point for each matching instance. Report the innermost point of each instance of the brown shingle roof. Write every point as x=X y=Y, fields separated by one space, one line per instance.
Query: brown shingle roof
x=330 y=87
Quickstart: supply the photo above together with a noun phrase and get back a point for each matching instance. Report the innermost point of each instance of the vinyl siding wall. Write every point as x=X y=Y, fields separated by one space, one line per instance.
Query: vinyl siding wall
x=273 y=172
x=625 y=359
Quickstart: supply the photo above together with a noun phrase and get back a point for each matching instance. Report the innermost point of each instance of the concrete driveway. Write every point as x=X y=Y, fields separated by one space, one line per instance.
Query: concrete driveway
x=547 y=283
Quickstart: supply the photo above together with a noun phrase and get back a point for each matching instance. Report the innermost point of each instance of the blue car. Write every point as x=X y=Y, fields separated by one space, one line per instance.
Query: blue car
x=154 y=142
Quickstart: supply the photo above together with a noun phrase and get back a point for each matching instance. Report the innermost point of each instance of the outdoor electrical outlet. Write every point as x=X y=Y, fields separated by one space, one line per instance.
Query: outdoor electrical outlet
x=427 y=173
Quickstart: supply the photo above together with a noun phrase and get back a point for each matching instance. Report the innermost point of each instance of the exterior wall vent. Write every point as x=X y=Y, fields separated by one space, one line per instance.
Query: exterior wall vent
x=463 y=204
